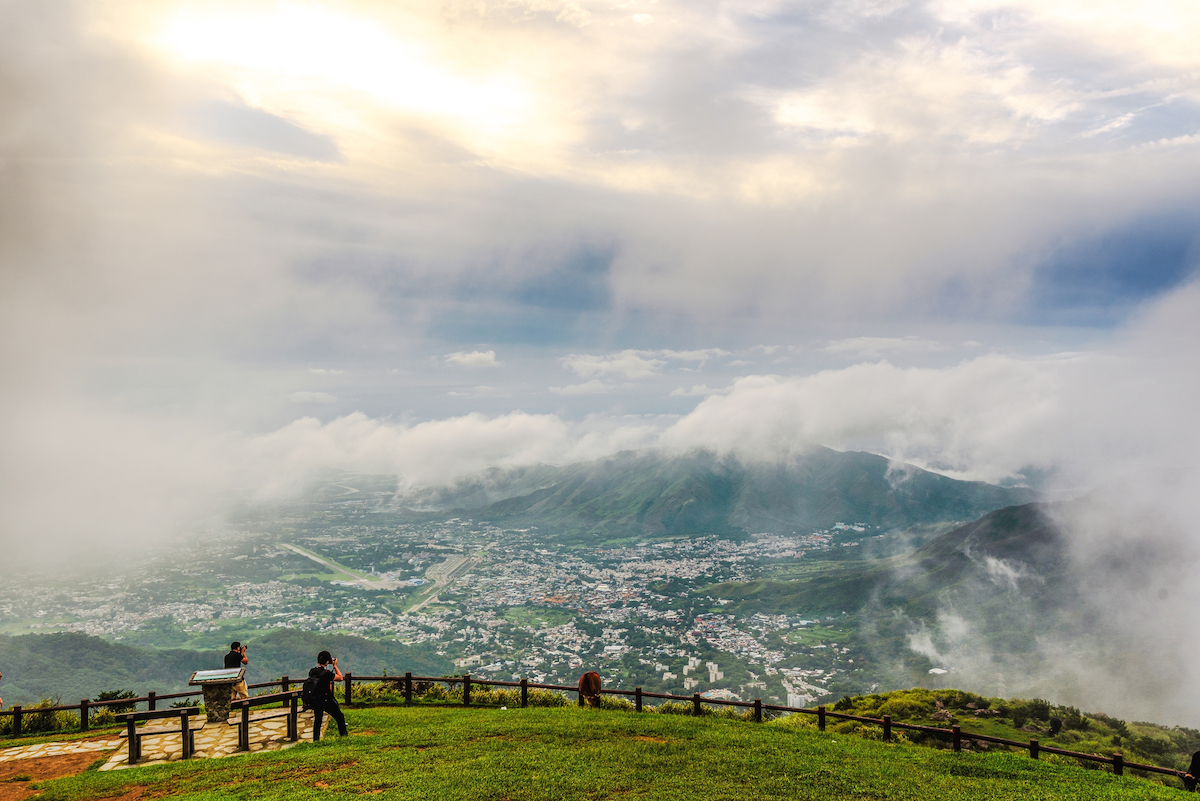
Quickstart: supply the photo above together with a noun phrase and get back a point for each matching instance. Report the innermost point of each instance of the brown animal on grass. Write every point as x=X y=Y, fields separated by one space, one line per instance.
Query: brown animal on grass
x=589 y=689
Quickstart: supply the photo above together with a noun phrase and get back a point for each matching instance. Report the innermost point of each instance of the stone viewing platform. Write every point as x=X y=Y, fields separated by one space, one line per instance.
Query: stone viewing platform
x=213 y=742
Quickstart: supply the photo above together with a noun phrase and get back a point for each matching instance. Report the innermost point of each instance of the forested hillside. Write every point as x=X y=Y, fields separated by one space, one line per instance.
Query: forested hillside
x=75 y=666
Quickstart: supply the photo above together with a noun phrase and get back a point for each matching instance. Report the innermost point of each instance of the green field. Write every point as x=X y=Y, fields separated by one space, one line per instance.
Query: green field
x=568 y=753
x=819 y=635
x=536 y=615
x=343 y=573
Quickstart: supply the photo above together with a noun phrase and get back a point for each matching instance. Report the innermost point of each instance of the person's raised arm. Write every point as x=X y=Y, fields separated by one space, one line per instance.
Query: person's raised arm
x=337 y=674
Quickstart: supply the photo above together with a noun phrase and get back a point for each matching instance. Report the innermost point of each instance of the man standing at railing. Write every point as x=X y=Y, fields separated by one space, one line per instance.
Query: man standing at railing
x=235 y=659
x=318 y=694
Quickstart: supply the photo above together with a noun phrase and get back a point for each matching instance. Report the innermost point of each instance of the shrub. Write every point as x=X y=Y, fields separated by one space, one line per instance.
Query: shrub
x=1072 y=718
x=903 y=709
x=35 y=722
x=616 y=702
x=114 y=695
x=1035 y=709
x=1116 y=724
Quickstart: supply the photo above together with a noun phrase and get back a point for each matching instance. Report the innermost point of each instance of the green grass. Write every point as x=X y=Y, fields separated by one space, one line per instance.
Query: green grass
x=819 y=635
x=432 y=753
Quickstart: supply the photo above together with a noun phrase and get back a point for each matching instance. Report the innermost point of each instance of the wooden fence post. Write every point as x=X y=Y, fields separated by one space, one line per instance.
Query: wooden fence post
x=285 y=684
x=347 y=689
x=1033 y=747
x=466 y=689
x=185 y=749
x=820 y=718
x=956 y=737
x=135 y=742
x=696 y=704
x=16 y=721
x=293 y=721
x=758 y=710
x=408 y=687
x=887 y=728
x=151 y=701
x=244 y=725
x=524 y=693
x=83 y=715
x=1118 y=763
x=637 y=699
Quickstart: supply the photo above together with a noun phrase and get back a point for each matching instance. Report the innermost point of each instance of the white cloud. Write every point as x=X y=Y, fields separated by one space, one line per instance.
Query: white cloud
x=312 y=397
x=324 y=371
x=693 y=355
x=476 y=392
x=593 y=387
x=697 y=390
x=874 y=347
x=475 y=358
x=636 y=363
x=628 y=363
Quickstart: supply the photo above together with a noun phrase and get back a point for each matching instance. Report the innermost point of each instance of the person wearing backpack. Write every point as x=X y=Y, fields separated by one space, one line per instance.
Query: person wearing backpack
x=318 y=695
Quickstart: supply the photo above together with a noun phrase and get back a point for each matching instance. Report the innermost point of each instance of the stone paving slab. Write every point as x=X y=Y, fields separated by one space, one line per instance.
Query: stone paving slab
x=214 y=741
x=67 y=747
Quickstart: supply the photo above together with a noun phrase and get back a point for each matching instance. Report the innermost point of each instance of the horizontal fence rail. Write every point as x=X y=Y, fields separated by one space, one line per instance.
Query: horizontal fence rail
x=954 y=734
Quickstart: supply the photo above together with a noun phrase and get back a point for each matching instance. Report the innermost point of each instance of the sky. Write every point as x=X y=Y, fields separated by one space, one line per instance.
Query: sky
x=241 y=243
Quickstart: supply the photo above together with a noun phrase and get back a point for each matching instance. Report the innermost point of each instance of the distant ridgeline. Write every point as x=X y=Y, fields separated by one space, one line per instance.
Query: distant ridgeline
x=648 y=493
x=75 y=666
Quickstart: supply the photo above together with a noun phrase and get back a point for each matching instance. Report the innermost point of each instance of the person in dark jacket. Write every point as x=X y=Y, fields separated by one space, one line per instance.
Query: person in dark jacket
x=1193 y=774
x=236 y=658
x=326 y=673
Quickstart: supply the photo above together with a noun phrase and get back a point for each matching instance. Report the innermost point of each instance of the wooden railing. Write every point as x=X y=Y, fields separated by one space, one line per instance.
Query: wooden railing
x=85 y=707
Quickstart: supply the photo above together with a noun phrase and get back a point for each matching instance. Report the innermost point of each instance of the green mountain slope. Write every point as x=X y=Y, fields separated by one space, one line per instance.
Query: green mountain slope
x=75 y=666
x=652 y=493
x=986 y=554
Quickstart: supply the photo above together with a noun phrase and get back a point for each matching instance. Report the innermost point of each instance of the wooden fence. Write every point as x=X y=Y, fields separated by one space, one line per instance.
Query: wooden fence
x=86 y=707
x=954 y=734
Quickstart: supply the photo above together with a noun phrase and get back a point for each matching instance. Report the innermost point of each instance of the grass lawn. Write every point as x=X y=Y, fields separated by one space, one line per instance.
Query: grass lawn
x=432 y=753
x=819 y=635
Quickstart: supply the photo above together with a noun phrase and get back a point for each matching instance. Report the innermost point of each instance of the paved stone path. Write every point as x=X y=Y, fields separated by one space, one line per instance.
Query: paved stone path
x=213 y=741
x=58 y=749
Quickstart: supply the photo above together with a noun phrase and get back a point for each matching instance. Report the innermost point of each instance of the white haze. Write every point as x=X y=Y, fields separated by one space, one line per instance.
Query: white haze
x=229 y=260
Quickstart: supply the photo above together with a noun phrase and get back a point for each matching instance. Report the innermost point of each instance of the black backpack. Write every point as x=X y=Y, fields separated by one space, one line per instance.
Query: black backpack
x=312 y=692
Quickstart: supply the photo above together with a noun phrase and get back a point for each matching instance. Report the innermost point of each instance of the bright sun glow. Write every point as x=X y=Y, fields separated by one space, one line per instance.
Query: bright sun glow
x=331 y=53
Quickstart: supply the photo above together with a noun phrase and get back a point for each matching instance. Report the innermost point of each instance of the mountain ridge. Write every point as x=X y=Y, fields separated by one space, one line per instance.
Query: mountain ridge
x=654 y=493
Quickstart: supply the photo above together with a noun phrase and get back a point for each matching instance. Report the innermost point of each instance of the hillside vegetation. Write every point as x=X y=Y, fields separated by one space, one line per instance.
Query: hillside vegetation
x=74 y=666
x=1019 y=719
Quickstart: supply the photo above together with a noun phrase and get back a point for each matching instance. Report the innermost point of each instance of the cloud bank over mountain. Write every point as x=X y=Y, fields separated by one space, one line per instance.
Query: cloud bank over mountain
x=240 y=243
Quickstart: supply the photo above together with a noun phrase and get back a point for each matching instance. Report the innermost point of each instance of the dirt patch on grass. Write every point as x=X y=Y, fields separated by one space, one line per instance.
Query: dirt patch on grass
x=39 y=769
x=645 y=738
